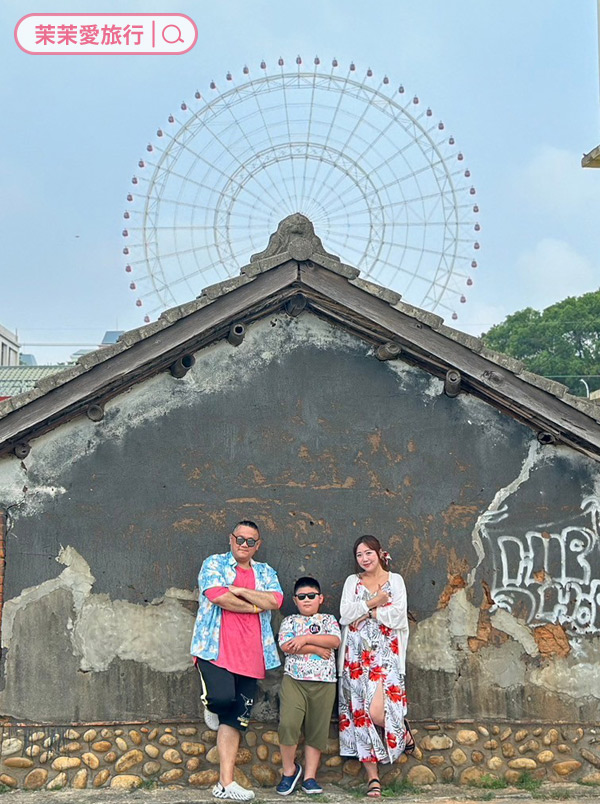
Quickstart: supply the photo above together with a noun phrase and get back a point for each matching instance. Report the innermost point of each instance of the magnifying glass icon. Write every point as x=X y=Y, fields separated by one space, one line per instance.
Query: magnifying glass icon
x=179 y=37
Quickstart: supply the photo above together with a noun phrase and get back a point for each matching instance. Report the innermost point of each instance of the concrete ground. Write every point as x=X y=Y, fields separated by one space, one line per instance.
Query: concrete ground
x=435 y=794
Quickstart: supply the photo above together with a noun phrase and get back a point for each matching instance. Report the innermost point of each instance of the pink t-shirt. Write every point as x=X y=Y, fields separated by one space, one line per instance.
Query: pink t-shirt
x=240 y=641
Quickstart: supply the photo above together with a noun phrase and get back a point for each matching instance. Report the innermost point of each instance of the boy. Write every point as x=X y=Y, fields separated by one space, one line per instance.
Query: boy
x=307 y=695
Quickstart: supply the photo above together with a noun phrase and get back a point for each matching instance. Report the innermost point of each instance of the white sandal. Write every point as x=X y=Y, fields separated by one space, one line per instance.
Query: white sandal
x=233 y=792
x=211 y=719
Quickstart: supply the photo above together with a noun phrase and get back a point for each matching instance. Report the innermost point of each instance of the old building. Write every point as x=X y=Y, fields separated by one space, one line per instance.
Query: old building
x=323 y=407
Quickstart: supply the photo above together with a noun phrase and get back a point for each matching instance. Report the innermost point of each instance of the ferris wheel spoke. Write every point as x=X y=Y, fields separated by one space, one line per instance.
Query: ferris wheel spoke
x=195 y=183
x=331 y=127
x=287 y=121
x=267 y=129
x=395 y=182
x=174 y=255
x=245 y=137
x=206 y=268
x=355 y=128
x=311 y=108
x=201 y=158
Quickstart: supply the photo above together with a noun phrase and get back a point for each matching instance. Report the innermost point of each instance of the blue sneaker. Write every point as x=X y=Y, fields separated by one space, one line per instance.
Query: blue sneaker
x=288 y=784
x=312 y=787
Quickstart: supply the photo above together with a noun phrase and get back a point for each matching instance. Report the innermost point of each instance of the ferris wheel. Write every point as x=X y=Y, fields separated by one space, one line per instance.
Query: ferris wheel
x=384 y=184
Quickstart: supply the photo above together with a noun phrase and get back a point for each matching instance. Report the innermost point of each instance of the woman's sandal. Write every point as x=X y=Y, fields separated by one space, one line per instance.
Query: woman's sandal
x=409 y=745
x=374 y=788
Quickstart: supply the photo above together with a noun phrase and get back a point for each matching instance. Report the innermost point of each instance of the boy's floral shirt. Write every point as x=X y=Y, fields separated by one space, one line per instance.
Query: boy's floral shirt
x=219 y=570
x=309 y=666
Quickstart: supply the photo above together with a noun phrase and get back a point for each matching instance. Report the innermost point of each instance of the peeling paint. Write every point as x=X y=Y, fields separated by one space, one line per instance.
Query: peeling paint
x=496 y=510
x=456 y=622
x=455 y=582
x=487 y=634
x=103 y=629
x=503 y=667
x=552 y=640
x=76 y=577
x=156 y=635
x=581 y=680
x=504 y=621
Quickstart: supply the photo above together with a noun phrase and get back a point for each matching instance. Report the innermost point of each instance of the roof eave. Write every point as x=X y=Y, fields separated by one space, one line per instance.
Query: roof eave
x=333 y=291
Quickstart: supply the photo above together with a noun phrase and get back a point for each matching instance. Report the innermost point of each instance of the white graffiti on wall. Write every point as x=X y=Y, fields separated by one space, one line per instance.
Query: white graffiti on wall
x=549 y=577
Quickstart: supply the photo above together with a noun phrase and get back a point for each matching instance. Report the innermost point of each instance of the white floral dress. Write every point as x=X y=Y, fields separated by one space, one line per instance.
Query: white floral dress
x=372 y=656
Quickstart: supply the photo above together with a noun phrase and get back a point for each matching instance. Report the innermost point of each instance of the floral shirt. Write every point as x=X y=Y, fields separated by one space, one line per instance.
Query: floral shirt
x=309 y=666
x=220 y=570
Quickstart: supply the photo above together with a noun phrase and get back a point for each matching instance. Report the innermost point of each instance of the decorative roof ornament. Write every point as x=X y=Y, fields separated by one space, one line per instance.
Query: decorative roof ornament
x=296 y=236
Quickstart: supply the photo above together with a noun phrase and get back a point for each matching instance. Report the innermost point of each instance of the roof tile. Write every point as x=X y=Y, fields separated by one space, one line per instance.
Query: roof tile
x=423 y=316
x=389 y=296
x=506 y=361
x=553 y=387
x=470 y=341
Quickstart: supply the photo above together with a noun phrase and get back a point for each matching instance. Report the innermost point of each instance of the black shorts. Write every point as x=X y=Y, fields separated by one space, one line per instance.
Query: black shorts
x=228 y=695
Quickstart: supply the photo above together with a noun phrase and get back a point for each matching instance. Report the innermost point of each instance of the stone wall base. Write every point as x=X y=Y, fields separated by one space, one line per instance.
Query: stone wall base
x=185 y=754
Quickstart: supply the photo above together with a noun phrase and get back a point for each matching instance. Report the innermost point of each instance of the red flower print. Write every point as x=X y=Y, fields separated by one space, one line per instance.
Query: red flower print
x=344 y=722
x=392 y=740
x=376 y=673
x=355 y=669
x=394 y=645
x=395 y=693
x=385 y=630
x=361 y=718
x=367 y=657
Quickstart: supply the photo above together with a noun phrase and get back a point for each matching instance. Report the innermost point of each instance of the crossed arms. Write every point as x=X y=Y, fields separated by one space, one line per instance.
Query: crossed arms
x=247 y=601
x=321 y=644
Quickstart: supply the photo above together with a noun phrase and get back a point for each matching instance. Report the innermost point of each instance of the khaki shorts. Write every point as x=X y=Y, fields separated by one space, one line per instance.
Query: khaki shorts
x=310 y=702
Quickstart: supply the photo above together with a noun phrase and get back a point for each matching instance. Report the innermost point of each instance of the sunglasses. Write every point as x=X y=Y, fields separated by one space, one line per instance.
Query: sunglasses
x=309 y=595
x=241 y=540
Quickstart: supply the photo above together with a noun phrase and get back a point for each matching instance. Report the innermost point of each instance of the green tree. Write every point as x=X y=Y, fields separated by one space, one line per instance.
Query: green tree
x=561 y=342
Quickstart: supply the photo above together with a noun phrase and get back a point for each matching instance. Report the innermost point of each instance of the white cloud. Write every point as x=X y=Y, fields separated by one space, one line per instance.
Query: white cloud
x=554 y=182
x=552 y=271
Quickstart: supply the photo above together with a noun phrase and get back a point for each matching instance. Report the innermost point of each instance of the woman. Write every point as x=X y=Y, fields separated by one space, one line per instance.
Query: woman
x=372 y=663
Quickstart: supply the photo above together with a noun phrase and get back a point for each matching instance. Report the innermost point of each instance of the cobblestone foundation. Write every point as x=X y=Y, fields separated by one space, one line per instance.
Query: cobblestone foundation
x=52 y=757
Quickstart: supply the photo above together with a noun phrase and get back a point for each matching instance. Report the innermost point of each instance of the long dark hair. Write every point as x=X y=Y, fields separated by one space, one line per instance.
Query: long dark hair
x=373 y=543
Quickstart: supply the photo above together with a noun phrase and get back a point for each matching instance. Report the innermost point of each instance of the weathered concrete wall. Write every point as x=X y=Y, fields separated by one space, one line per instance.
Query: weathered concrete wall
x=302 y=429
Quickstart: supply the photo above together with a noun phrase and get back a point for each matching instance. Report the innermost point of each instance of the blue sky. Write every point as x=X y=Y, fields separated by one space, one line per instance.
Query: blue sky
x=516 y=83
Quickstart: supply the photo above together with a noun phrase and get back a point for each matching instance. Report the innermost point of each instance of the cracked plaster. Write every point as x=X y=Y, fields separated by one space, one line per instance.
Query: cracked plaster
x=101 y=630
x=432 y=644
x=504 y=621
x=577 y=680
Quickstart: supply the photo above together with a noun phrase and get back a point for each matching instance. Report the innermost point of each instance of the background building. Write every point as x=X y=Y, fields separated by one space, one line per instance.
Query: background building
x=9 y=348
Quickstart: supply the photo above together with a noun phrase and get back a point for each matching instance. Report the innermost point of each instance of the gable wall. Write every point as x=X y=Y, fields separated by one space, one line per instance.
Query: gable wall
x=303 y=430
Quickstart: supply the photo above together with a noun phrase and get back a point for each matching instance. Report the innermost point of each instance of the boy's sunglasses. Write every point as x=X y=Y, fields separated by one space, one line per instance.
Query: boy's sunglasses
x=309 y=595
x=241 y=540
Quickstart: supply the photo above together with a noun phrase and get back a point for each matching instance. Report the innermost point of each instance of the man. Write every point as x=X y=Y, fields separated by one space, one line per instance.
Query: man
x=233 y=643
